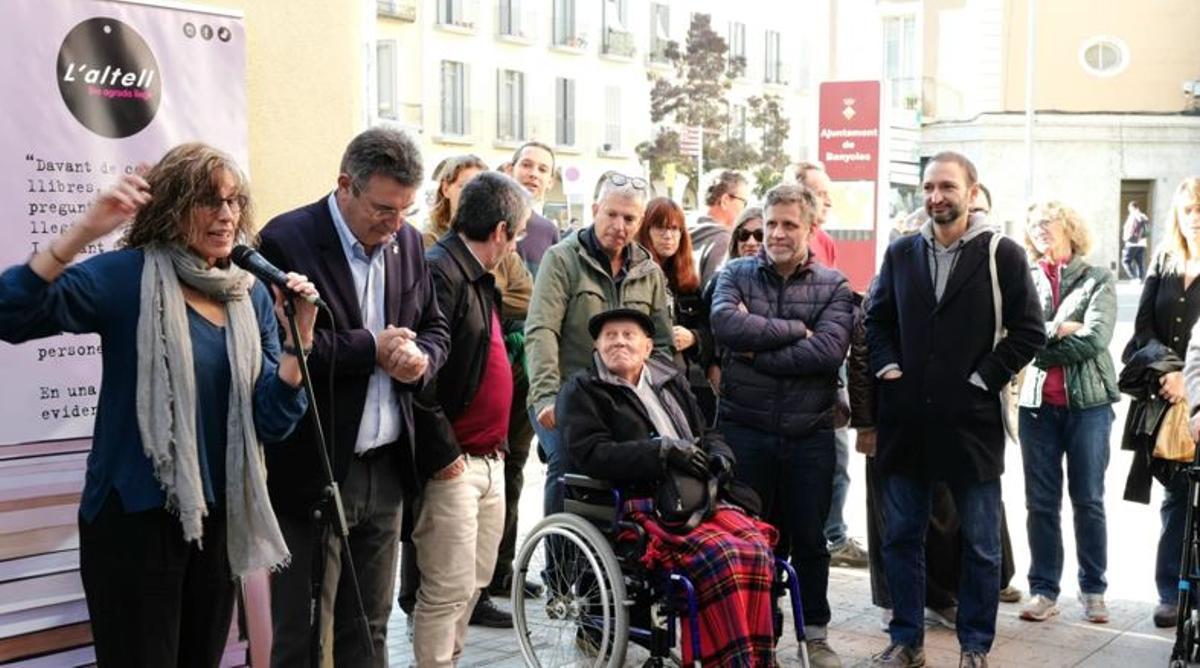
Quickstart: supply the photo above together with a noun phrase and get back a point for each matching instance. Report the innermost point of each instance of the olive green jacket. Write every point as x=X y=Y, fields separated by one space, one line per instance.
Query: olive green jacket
x=572 y=286
x=1088 y=296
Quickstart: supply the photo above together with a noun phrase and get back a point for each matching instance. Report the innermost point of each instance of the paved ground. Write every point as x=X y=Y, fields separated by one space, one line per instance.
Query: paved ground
x=1128 y=641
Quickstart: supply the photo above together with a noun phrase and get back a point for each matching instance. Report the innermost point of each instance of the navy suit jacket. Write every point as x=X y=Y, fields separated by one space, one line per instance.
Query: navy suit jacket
x=305 y=241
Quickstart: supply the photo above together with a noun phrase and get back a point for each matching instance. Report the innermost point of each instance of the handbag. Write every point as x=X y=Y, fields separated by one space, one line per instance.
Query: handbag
x=1011 y=389
x=1173 y=441
x=683 y=500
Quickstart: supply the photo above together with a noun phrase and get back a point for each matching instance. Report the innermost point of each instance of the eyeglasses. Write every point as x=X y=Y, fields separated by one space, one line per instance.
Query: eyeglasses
x=382 y=213
x=743 y=234
x=637 y=182
x=214 y=203
x=743 y=200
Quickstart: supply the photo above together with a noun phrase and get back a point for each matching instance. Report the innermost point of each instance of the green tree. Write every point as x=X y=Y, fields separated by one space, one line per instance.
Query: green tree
x=766 y=116
x=694 y=96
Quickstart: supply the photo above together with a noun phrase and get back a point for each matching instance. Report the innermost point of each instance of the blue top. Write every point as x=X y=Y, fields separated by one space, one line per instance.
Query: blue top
x=102 y=296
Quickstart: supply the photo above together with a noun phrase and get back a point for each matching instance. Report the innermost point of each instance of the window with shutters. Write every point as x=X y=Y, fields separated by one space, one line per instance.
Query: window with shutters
x=510 y=105
x=564 y=112
x=612 y=119
x=454 y=99
x=774 y=59
x=566 y=32
x=737 y=46
x=385 y=87
x=660 y=34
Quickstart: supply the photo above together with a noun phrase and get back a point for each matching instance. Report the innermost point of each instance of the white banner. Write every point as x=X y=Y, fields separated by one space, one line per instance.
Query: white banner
x=91 y=90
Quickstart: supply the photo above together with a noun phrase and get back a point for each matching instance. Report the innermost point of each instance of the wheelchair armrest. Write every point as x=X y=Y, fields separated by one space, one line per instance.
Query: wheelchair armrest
x=578 y=480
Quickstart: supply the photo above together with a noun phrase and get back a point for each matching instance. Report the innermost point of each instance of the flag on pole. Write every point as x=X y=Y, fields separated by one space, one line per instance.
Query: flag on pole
x=691 y=139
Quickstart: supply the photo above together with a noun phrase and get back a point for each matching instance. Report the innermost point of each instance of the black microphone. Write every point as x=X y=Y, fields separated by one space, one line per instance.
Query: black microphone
x=249 y=259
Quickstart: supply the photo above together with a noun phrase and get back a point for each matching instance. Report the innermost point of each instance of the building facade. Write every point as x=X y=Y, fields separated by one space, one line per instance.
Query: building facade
x=1114 y=96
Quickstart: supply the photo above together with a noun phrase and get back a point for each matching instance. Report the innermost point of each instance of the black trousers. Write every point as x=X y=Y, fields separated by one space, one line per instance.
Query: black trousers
x=154 y=599
x=520 y=439
x=373 y=499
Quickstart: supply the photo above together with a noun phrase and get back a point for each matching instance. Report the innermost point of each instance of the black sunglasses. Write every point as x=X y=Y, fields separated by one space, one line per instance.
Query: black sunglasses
x=744 y=234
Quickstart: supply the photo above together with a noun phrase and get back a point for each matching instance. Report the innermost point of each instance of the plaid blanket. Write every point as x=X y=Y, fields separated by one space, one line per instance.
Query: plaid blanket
x=728 y=558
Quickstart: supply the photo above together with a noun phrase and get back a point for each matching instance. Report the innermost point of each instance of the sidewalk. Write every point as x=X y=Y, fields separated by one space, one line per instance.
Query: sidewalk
x=1129 y=640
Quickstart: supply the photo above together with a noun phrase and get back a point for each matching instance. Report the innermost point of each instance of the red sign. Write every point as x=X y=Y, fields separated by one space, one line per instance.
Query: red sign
x=848 y=138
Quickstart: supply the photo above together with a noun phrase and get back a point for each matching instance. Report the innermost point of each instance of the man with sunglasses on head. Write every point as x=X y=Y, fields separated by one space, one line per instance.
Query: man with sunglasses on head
x=598 y=269
x=726 y=197
x=386 y=340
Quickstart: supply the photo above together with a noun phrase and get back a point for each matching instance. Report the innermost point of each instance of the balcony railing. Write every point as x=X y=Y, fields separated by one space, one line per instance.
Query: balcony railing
x=461 y=15
x=780 y=75
x=404 y=10
x=619 y=43
x=658 y=53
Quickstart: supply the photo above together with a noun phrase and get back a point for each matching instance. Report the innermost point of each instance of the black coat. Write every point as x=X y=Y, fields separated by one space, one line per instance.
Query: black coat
x=305 y=240
x=932 y=422
x=609 y=435
x=774 y=377
x=467 y=296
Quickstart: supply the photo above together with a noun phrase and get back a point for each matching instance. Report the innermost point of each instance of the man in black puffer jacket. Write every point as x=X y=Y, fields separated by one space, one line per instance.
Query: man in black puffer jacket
x=784 y=322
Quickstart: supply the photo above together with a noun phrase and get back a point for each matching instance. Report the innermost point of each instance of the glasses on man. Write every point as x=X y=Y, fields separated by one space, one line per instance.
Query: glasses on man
x=214 y=203
x=744 y=234
x=637 y=182
x=739 y=198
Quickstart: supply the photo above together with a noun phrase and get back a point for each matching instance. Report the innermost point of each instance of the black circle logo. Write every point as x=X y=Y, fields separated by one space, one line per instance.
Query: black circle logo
x=206 y=31
x=189 y=30
x=108 y=77
x=224 y=34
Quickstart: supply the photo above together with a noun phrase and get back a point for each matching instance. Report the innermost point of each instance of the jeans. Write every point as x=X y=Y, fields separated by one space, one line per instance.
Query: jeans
x=907 y=504
x=1170 y=541
x=835 y=526
x=799 y=471
x=1133 y=258
x=1082 y=435
x=556 y=465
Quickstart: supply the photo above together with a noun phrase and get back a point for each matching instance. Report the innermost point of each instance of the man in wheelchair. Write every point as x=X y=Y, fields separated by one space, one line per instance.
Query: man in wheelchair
x=632 y=421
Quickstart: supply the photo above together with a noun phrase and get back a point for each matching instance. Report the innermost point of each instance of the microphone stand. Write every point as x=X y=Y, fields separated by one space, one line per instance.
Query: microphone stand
x=328 y=512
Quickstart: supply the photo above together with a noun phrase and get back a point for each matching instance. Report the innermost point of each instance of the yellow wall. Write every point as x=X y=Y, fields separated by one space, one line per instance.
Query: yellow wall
x=1160 y=36
x=304 y=75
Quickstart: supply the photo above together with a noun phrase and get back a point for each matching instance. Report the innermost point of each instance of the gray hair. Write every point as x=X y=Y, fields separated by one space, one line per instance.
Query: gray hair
x=486 y=200
x=792 y=193
x=382 y=152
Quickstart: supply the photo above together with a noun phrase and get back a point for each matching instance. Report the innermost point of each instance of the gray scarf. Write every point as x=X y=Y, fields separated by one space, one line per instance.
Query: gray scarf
x=166 y=405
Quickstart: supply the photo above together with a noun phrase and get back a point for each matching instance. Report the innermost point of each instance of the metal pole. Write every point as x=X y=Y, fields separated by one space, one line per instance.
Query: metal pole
x=699 y=166
x=1031 y=31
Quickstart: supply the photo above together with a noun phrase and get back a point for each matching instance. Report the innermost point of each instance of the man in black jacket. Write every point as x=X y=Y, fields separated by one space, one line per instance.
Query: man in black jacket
x=462 y=420
x=931 y=332
x=387 y=339
x=784 y=322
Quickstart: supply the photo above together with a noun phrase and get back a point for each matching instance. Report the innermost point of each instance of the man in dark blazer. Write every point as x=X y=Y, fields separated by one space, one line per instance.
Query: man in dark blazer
x=931 y=332
x=386 y=340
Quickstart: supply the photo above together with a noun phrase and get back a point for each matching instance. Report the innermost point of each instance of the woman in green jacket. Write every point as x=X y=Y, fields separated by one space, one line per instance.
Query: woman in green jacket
x=1066 y=410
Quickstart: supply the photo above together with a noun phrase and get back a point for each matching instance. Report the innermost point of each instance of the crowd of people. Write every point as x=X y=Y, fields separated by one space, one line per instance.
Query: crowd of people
x=643 y=349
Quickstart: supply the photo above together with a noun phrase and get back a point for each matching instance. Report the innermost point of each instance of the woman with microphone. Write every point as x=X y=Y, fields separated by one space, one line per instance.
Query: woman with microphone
x=174 y=508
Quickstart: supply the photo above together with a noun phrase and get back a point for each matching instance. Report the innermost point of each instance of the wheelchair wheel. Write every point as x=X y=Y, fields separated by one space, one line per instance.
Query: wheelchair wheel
x=581 y=619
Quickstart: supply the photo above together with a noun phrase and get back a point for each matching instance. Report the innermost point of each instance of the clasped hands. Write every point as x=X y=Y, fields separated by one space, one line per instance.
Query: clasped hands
x=397 y=353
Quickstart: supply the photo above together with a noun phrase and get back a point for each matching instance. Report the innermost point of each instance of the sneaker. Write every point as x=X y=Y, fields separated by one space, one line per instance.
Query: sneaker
x=1010 y=594
x=885 y=619
x=1094 y=609
x=503 y=588
x=849 y=554
x=1165 y=615
x=821 y=655
x=942 y=616
x=972 y=660
x=487 y=614
x=899 y=656
x=1040 y=608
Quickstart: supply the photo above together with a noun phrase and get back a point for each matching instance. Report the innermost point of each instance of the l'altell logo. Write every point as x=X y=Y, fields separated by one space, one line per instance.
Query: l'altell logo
x=109 y=78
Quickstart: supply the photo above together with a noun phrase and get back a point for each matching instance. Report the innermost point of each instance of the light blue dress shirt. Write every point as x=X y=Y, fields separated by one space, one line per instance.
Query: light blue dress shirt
x=380 y=423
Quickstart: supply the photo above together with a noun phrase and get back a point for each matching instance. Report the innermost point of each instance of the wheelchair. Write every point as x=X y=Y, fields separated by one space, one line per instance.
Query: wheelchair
x=600 y=598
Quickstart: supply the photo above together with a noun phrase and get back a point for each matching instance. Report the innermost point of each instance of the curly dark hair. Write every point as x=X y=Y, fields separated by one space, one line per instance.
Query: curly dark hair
x=186 y=178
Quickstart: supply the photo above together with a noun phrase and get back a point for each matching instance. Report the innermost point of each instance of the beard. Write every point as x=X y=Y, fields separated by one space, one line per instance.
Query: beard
x=948 y=215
